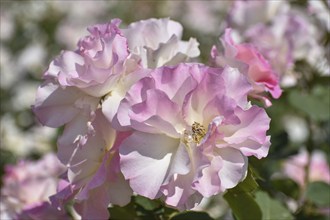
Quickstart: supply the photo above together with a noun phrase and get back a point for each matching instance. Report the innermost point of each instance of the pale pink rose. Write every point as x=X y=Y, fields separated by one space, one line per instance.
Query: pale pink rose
x=90 y=151
x=250 y=62
x=192 y=131
x=76 y=86
x=290 y=36
x=283 y=34
x=27 y=187
x=273 y=44
x=76 y=81
x=319 y=170
x=95 y=67
x=157 y=42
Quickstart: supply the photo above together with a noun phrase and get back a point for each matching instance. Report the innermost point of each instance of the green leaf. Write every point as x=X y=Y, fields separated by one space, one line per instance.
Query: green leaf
x=249 y=184
x=146 y=203
x=241 y=201
x=318 y=193
x=126 y=212
x=271 y=208
x=286 y=186
x=242 y=205
x=167 y=212
x=315 y=104
x=142 y=208
x=191 y=215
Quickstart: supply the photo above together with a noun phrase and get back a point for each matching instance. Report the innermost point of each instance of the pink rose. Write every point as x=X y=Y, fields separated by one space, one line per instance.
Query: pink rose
x=250 y=62
x=76 y=81
x=319 y=170
x=27 y=187
x=95 y=67
x=192 y=131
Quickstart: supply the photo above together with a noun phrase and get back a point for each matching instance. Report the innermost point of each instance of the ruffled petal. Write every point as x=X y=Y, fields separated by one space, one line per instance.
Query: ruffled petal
x=250 y=135
x=54 y=105
x=234 y=167
x=145 y=161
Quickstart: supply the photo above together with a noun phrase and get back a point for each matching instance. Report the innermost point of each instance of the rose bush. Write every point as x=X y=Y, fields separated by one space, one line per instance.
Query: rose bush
x=150 y=126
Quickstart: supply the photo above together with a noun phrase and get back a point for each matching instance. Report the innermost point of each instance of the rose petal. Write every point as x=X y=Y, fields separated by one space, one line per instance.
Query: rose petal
x=139 y=163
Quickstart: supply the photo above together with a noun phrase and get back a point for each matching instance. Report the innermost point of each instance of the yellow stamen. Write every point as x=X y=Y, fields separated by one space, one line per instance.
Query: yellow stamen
x=196 y=134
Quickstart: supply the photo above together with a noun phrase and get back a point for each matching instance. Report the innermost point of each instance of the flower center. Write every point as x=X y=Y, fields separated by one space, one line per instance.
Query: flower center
x=195 y=135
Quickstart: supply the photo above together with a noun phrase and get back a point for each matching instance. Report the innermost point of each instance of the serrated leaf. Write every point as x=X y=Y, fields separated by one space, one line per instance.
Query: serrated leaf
x=191 y=215
x=318 y=193
x=271 y=208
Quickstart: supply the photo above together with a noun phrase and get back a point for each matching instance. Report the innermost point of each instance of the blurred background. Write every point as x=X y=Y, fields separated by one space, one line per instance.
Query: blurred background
x=32 y=33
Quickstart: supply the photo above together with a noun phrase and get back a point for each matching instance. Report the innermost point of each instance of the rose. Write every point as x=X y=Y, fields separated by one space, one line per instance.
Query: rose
x=191 y=133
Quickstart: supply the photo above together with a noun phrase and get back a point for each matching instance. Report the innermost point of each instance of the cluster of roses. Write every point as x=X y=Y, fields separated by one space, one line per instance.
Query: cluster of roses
x=138 y=118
